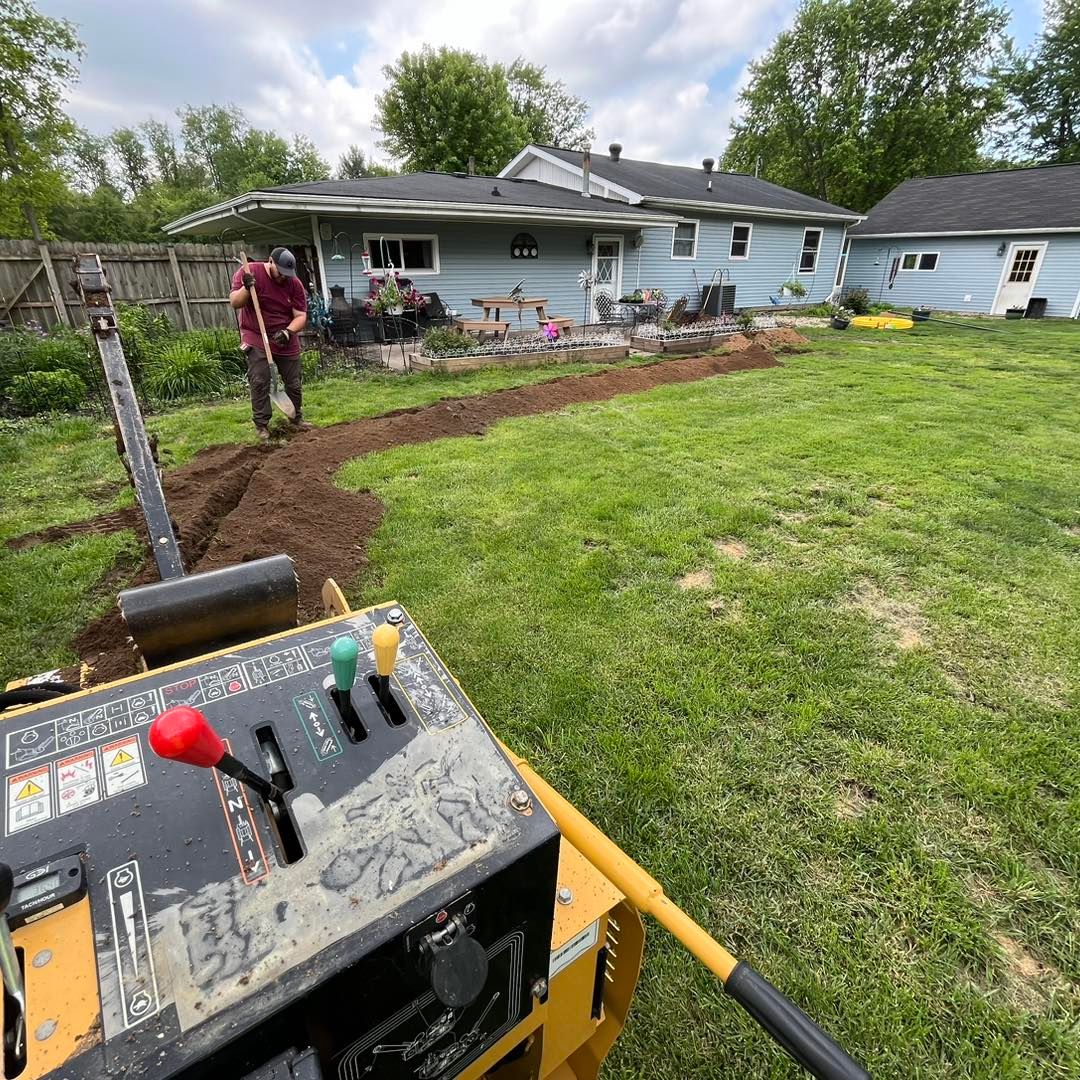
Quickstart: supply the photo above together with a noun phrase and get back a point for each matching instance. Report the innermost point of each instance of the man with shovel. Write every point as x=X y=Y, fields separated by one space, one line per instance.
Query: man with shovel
x=272 y=318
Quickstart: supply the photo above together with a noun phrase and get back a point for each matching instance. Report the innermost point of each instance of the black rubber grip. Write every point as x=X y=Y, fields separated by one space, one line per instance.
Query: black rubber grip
x=791 y=1027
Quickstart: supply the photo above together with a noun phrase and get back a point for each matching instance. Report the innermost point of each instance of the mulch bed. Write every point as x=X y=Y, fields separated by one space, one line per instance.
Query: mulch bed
x=236 y=503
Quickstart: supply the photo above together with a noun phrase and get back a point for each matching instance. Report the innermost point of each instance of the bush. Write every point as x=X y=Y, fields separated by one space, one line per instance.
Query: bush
x=744 y=320
x=179 y=370
x=16 y=349
x=141 y=333
x=47 y=391
x=222 y=344
x=66 y=350
x=310 y=359
x=858 y=300
x=441 y=341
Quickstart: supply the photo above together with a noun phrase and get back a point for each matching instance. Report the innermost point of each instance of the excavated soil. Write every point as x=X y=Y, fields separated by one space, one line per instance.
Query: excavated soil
x=236 y=503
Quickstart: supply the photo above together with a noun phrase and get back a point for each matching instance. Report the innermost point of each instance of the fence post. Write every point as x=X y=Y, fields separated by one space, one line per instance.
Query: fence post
x=180 y=292
x=54 y=287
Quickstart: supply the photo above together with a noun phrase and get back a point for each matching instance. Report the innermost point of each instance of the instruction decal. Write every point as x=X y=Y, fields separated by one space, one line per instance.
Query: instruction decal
x=122 y=764
x=245 y=836
x=577 y=946
x=323 y=738
x=29 y=800
x=131 y=944
x=78 y=782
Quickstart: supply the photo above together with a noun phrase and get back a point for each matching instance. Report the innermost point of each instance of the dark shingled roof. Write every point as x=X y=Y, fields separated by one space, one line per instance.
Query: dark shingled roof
x=1045 y=197
x=654 y=180
x=461 y=188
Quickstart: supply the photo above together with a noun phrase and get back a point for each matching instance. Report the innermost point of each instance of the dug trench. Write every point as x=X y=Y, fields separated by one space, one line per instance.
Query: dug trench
x=233 y=503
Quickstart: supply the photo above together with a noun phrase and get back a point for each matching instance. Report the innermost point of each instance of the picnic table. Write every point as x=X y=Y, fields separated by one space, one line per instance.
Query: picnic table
x=497 y=303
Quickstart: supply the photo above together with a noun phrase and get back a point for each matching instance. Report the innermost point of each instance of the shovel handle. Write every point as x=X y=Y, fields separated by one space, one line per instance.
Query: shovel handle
x=258 y=312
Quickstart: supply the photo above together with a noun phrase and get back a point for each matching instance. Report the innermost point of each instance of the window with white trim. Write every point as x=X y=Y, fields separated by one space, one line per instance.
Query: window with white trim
x=919 y=260
x=684 y=240
x=741 y=231
x=811 y=248
x=411 y=253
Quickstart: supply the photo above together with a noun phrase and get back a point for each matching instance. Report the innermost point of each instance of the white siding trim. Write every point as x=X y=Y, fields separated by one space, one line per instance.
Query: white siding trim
x=322 y=261
x=576 y=170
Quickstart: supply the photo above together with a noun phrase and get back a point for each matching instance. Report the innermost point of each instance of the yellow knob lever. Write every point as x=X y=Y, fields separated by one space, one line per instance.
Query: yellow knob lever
x=385 y=641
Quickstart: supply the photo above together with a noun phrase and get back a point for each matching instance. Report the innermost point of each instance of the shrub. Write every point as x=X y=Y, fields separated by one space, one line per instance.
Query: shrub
x=16 y=349
x=180 y=370
x=310 y=359
x=141 y=333
x=858 y=300
x=441 y=341
x=220 y=342
x=65 y=350
x=744 y=320
x=47 y=391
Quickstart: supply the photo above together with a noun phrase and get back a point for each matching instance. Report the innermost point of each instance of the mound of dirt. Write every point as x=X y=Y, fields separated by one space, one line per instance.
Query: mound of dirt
x=236 y=503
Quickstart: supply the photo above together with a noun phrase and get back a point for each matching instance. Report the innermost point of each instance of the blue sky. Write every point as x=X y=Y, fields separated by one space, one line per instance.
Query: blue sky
x=661 y=78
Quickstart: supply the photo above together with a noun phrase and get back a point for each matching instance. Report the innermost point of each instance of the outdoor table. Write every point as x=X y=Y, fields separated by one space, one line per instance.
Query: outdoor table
x=497 y=303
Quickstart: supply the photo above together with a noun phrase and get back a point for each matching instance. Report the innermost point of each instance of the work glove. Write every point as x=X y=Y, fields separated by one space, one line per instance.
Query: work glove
x=248 y=280
x=280 y=337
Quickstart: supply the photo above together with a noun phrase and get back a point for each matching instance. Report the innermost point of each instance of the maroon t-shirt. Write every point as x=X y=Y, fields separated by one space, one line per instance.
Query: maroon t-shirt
x=277 y=300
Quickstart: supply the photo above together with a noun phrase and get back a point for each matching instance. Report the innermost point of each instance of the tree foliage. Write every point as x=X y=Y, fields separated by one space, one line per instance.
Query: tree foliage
x=37 y=64
x=1045 y=88
x=857 y=97
x=443 y=106
x=354 y=164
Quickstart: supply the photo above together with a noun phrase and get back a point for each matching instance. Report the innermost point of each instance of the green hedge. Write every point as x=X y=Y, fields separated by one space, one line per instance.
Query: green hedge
x=47 y=392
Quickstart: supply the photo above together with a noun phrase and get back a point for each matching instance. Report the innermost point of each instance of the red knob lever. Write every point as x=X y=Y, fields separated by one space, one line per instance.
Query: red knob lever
x=184 y=734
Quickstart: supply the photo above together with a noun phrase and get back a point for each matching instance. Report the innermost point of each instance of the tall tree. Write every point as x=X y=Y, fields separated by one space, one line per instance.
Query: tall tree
x=858 y=96
x=88 y=160
x=354 y=164
x=441 y=107
x=1045 y=85
x=552 y=115
x=134 y=165
x=37 y=64
x=161 y=141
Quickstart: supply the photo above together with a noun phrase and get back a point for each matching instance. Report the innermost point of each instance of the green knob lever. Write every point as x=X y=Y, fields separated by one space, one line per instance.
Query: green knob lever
x=343 y=654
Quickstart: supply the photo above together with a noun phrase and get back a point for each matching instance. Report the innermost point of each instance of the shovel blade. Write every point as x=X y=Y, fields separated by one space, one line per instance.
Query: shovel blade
x=279 y=397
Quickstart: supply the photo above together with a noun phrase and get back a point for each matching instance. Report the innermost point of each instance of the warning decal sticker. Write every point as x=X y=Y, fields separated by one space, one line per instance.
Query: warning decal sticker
x=131 y=944
x=77 y=782
x=122 y=765
x=29 y=801
x=242 y=830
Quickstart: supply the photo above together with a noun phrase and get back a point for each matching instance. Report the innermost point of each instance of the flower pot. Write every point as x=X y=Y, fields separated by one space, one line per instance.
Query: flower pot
x=840 y=324
x=920 y=314
x=397 y=309
x=1014 y=313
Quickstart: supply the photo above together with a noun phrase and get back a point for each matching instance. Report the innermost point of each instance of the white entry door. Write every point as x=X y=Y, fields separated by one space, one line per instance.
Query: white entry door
x=1019 y=276
x=607 y=267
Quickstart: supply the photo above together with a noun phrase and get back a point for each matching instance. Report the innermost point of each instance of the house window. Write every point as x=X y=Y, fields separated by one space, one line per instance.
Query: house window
x=740 y=240
x=1023 y=265
x=684 y=240
x=410 y=254
x=811 y=246
x=919 y=260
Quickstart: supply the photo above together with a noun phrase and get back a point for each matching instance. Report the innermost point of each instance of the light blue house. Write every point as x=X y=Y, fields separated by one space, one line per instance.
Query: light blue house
x=544 y=220
x=974 y=242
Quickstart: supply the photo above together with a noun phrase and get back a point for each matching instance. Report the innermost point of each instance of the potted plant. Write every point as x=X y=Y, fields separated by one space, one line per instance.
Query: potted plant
x=840 y=317
x=392 y=298
x=793 y=288
x=1015 y=312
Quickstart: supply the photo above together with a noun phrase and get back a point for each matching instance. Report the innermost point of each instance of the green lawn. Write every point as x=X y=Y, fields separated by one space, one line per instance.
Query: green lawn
x=803 y=641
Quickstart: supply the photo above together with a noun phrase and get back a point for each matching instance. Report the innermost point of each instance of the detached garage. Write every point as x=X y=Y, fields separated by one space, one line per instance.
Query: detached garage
x=974 y=242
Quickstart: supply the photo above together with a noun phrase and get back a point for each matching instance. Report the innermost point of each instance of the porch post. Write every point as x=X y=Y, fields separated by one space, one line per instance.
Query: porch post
x=322 y=262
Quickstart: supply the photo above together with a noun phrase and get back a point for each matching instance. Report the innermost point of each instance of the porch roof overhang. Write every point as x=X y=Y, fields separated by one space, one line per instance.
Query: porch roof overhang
x=260 y=213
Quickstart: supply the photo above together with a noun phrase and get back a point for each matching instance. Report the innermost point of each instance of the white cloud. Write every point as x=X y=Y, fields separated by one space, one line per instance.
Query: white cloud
x=661 y=78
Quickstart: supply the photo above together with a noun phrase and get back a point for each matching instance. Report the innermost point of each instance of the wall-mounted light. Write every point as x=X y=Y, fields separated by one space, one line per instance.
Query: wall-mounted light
x=1001 y=249
x=638 y=239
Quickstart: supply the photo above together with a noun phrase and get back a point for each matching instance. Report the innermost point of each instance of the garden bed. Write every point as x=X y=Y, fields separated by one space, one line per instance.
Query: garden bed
x=526 y=352
x=693 y=337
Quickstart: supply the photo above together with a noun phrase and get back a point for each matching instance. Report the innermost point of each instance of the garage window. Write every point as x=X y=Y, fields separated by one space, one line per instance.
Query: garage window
x=919 y=260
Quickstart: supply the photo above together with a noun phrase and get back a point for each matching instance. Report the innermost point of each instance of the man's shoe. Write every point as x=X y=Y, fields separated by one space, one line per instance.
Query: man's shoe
x=262 y=434
x=303 y=425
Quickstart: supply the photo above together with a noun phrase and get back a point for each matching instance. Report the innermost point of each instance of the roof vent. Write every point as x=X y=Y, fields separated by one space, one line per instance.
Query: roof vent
x=708 y=164
x=615 y=149
x=495 y=190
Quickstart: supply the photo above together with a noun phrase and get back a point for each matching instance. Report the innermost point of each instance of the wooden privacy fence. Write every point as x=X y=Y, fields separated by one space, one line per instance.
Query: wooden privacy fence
x=187 y=282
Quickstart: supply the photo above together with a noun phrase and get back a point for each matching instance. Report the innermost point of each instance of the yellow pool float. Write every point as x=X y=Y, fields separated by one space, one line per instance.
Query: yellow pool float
x=881 y=322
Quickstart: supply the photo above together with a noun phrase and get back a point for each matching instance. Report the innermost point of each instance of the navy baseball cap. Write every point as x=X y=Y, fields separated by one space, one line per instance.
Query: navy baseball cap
x=284 y=260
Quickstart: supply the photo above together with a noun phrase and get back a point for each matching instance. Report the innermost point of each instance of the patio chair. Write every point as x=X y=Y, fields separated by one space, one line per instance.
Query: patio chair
x=435 y=312
x=606 y=309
